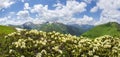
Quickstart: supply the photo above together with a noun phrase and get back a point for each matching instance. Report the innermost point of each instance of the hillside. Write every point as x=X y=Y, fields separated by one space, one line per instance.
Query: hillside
x=49 y=27
x=6 y=30
x=111 y=28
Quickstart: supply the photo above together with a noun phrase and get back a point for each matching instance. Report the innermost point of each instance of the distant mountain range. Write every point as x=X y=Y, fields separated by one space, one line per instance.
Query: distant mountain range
x=111 y=28
x=73 y=29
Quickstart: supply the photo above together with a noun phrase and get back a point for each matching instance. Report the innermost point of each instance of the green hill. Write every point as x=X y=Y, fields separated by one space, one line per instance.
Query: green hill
x=6 y=30
x=111 y=28
x=49 y=27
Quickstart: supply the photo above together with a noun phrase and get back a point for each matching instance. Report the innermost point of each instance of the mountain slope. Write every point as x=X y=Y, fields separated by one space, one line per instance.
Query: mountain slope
x=76 y=29
x=6 y=30
x=48 y=27
x=111 y=28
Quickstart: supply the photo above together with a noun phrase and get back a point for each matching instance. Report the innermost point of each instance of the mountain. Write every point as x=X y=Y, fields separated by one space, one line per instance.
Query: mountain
x=76 y=29
x=111 y=28
x=48 y=27
x=6 y=29
x=73 y=29
x=27 y=25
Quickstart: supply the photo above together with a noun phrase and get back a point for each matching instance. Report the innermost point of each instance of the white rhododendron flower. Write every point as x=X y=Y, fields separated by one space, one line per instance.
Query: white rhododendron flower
x=35 y=43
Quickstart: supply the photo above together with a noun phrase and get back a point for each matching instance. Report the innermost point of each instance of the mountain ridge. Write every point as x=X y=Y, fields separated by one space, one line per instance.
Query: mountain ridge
x=72 y=29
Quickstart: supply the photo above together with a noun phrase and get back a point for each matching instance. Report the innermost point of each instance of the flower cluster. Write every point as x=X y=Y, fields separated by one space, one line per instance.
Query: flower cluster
x=35 y=43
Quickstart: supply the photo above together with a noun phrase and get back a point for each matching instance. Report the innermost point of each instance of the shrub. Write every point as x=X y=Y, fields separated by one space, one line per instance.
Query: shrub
x=35 y=43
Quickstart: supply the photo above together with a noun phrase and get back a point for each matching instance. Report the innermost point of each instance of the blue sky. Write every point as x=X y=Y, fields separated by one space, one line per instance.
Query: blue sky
x=80 y=12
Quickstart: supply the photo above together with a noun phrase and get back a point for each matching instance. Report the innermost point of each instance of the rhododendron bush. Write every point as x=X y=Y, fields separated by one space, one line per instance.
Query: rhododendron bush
x=35 y=43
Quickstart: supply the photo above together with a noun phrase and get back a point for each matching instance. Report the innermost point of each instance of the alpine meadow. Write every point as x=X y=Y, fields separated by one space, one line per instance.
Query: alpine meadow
x=59 y=28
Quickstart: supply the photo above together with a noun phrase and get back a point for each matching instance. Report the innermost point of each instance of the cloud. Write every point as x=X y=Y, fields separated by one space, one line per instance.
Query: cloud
x=26 y=6
x=111 y=4
x=6 y=3
x=3 y=20
x=110 y=11
x=88 y=1
x=10 y=19
x=64 y=12
x=94 y=9
x=23 y=14
x=84 y=20
x=19 y=18
x=61 y=13
x=109 y=16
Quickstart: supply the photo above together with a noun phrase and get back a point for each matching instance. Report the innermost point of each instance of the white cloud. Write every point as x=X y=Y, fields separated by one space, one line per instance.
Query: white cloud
x=10 y=19
x=111 y=4
x=109 y=16
x=110 y=12
x=88 y=1
x=94 y=9
x=20 y=18
x=61 y=12
x=23 y=14
x=3 y=20
x=26 y=6
x=85 y=20
x=6 y=3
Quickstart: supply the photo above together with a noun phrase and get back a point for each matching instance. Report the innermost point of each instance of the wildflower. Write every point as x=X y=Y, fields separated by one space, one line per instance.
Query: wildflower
x=22 y=56
x=90 y=52
x=107 y=46
x=39 y=55
x=95 y=56
x=10 y=51
x=52 y=42
x=60 y=51
x=44 y=51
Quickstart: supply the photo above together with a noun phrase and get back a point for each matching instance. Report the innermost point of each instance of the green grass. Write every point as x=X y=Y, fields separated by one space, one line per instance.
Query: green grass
x=110 y=28
x=6 y=30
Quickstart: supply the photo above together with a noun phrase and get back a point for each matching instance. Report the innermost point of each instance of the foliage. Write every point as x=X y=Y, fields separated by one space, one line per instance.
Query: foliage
x=35 y=43
x=4 y=30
